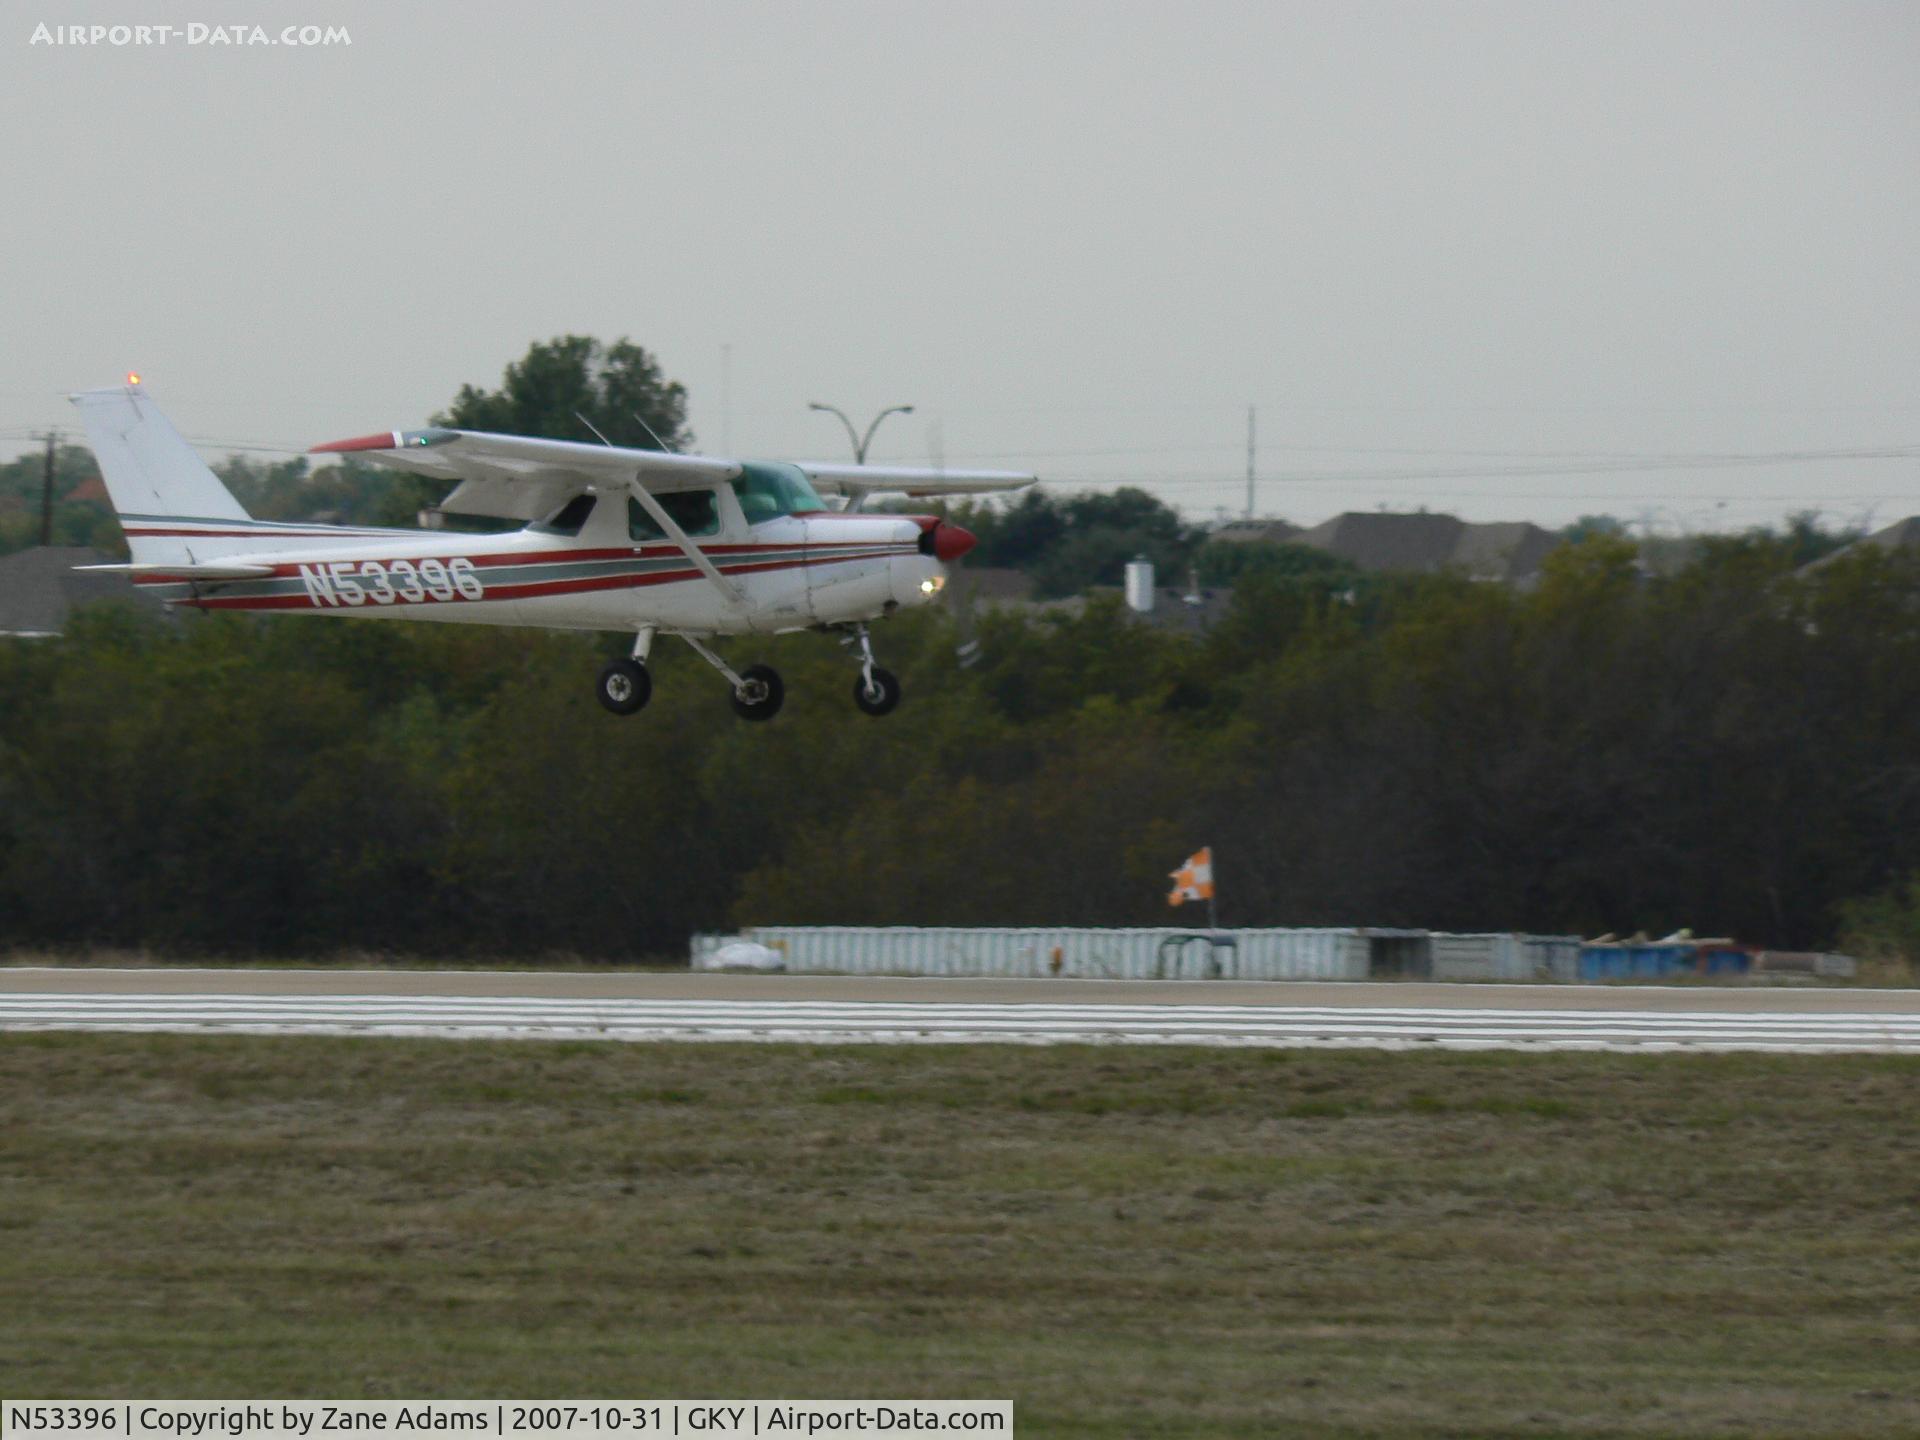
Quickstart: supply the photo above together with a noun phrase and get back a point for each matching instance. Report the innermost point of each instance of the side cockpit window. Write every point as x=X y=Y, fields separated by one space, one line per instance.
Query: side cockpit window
x=697 y=512
x=568 y=519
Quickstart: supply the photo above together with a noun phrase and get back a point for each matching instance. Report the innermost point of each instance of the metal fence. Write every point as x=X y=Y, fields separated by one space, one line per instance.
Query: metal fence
x=1504 y=957
x=1159 y=953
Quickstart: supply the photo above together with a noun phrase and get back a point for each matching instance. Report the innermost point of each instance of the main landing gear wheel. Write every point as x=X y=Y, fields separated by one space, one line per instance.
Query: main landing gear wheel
x=624 y=686
x=760 y=693
x=877 y=693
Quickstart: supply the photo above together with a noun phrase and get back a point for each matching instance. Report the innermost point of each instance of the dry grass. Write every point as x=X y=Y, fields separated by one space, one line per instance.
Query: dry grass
x=1126 y=1241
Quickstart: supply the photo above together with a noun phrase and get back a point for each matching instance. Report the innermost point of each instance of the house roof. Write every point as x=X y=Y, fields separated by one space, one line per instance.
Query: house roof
x=1423 y=542
x=1254 y=532
x=1378 y=541
x=1175 y=607
x=1191 y=611
x=1504 y=550
x=39 y=588
x=1901 y=535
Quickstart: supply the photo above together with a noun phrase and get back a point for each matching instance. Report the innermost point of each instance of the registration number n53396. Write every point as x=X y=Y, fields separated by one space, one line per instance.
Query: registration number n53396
x=390 y=582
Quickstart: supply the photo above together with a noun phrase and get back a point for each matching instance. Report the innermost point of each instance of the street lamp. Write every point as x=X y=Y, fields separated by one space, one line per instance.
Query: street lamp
x=860 y=442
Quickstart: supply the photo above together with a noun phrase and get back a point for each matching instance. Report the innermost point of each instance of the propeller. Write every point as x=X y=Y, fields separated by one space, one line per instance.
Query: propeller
x=966 y=650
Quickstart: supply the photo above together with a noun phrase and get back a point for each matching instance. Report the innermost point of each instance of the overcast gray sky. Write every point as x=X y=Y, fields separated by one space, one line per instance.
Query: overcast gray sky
x=1491 y=258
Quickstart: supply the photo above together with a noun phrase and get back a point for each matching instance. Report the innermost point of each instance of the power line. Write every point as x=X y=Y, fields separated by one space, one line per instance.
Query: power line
x=1658 y=457
x=1302 y=479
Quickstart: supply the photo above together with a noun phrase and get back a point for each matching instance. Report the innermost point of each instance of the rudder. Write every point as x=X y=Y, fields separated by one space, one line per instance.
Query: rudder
x=151 y=473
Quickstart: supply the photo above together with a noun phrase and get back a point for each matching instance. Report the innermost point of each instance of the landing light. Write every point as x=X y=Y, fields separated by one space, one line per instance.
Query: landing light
x=932 y=584
x=133 y=378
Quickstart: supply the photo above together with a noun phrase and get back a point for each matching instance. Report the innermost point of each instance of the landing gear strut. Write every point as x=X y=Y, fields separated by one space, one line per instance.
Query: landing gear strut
x=757 y=691
x=877 y=691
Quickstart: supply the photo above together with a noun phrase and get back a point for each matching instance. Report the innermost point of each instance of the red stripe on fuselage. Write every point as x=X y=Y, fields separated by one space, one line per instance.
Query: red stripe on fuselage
x=509 y=590
x=510 y=557
x=722 y=553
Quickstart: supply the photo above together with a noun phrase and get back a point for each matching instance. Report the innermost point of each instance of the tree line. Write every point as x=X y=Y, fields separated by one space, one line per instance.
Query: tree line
x=1723 y=740
x=1730 y=748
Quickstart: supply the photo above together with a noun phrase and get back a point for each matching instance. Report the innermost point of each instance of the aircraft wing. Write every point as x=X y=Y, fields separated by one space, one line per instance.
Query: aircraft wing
x=522 y=478
x=844 y=479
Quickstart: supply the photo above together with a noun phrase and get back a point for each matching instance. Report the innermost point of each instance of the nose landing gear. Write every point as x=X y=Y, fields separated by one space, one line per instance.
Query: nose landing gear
x=877 y=691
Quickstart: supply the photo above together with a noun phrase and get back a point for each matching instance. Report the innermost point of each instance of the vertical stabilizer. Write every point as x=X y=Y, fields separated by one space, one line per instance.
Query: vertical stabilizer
x=151 y=473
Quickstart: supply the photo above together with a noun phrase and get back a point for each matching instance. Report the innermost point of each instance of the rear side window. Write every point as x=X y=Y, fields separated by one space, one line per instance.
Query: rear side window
x=695 y=511
x=568 y=519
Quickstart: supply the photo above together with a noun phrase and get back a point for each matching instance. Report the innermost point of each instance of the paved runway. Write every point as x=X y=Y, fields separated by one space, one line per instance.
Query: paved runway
x=611 y=1005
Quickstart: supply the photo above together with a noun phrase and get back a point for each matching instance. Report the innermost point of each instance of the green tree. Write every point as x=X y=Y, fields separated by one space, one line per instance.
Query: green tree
x=1884 y=928
x=76 y=521
x=1071 y=543
x=1230 y=563
x=1808 y=540
x=1590 y=525
x=1016 y=534
x=546 y=391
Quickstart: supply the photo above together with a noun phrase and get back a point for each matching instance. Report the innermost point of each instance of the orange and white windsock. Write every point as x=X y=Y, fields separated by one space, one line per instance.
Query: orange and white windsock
x=1194 y=880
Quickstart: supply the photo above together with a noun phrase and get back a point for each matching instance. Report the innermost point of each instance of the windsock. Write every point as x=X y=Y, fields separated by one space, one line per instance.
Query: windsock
x=1194 y=880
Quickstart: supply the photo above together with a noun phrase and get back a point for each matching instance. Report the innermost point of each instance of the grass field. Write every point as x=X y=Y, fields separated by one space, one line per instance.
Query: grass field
x=1125 y=1241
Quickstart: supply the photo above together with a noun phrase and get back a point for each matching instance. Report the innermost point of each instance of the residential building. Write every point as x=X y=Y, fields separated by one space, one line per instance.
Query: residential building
x=40 y=588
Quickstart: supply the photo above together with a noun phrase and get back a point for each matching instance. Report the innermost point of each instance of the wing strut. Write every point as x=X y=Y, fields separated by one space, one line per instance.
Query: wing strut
x=693 y=552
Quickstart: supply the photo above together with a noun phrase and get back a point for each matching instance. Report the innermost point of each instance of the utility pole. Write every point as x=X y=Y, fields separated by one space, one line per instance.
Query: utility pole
x=1249 y=462
x=46 y=491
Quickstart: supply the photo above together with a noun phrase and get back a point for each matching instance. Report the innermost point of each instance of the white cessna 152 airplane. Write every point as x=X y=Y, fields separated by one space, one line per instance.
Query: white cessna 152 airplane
x=641 y=541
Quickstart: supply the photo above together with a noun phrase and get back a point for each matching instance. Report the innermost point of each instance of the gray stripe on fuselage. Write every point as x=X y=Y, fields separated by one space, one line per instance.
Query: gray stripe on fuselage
x=532 y=571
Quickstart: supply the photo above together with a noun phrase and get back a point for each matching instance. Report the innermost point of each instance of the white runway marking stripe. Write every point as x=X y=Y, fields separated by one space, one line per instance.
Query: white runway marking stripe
x=930 y=1022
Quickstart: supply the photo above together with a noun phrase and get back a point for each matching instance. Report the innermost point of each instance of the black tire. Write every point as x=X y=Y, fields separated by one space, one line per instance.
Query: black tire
x=882 y=698
x=625 y=687
x=772 y=692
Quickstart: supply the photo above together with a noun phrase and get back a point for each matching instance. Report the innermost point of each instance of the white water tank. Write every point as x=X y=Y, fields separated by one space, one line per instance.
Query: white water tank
x=1139 y=584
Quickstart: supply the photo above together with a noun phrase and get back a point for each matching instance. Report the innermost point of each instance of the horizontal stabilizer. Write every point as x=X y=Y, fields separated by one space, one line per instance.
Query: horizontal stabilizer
x=188 y=570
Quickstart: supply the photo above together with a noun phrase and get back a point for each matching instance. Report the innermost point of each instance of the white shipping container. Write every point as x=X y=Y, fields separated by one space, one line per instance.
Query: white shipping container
x=1114 y=954
x=1150 y=953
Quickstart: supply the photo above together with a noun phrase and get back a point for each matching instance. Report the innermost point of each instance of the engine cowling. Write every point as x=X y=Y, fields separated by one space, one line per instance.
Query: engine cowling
x=945 y=541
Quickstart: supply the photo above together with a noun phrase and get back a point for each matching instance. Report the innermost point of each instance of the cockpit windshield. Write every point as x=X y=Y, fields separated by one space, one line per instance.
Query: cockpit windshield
x=768 y=490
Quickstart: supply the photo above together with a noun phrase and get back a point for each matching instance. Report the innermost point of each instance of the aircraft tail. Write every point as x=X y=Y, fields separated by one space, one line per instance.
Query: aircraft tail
x=173 y=508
